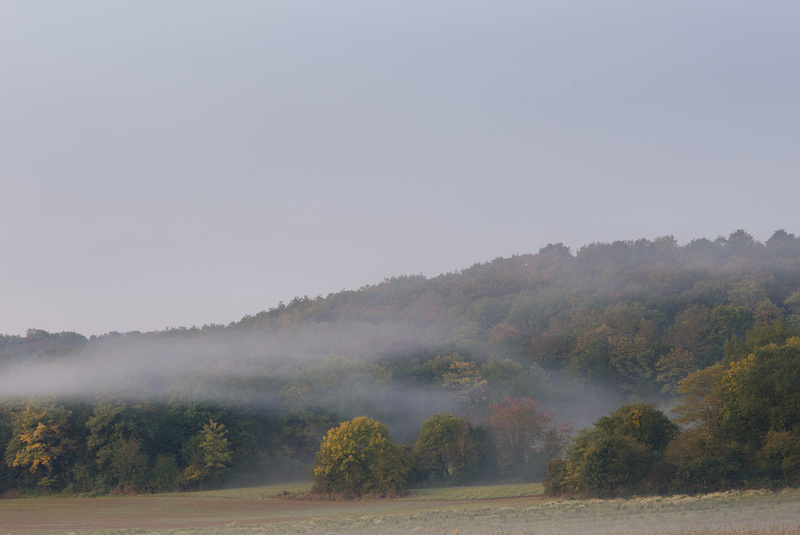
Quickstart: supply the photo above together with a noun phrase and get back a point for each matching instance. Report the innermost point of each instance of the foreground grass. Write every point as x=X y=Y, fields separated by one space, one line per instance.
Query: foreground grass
x=494 y=510
x=263 y=492
x=477 y=492
x=522 y=510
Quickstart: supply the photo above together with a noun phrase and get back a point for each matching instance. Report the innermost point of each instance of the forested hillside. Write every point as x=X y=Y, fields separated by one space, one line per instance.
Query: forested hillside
x=696 y=330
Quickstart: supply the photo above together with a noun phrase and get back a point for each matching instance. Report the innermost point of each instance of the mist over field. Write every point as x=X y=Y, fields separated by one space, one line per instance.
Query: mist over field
x=356 y=337
x=628 y=331
x=346 y=359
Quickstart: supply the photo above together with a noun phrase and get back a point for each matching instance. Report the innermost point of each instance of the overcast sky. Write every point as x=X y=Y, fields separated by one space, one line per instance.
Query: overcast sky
x=178 y=163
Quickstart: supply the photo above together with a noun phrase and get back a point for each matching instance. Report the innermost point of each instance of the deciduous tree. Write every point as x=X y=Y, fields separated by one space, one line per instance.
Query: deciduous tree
x=209 y=454
x=357 y=458
x=446 y=449
x=525 y=436
x=40 y=440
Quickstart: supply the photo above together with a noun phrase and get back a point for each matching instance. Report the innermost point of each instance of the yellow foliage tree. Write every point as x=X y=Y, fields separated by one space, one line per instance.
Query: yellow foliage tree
x=39 y=440
x=359 y=457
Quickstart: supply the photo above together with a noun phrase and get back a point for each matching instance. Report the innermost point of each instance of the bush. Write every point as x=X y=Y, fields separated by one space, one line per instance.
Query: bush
x=555 y=480
x=780 y=454
x=606 y=464
x=621 y=453
x=707 y=474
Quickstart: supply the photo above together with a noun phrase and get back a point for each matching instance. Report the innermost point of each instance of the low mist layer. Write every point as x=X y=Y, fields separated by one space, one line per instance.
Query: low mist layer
x=578 y=333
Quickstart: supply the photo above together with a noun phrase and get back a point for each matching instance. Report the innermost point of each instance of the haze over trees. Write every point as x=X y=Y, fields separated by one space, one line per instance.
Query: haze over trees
x=685 y=358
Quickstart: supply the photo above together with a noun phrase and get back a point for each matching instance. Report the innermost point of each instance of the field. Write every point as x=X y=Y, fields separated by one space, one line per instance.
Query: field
x=501 y=510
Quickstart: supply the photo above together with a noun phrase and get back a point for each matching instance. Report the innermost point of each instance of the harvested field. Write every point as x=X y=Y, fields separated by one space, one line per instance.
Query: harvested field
x=470 y=510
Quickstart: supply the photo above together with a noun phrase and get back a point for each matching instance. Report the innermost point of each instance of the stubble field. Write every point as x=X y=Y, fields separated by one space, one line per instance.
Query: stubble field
x=500 y=510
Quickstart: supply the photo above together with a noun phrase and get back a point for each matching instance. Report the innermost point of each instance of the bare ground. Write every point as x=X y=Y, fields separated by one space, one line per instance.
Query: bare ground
x=162 y=513
x=441 y=513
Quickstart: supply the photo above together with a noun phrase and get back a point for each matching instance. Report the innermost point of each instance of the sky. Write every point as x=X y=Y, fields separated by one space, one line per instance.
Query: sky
x=180 y=163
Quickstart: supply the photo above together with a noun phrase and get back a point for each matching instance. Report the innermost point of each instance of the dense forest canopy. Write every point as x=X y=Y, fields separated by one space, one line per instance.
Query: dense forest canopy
x=580 y=334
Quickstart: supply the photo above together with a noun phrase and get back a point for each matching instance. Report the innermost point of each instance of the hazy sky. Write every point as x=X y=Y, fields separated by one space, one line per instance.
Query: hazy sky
x=189 y=162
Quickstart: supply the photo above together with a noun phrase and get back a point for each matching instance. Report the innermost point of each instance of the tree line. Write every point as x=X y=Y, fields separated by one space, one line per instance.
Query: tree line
x=118 y=446
x=693 y=330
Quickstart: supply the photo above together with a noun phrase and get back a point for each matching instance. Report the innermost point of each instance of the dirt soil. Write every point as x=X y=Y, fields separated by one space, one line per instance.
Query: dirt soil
x=64 y=515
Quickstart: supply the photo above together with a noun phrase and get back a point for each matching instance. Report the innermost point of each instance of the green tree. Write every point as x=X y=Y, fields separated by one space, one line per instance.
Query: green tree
x=209 y=454
x=725 y=322
x=591 y=355
x=792 y=304
x=129 y=464
x=673 y=367
x=690 y=332
x=743 y=414
x=447 y=449
x=702 y=400
x=359 y=457
x=118 y=431
x=622 y=350
x=762 y=393
x=643 y=423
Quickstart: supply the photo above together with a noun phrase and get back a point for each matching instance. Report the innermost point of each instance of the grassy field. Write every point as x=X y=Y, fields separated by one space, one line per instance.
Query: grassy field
x=499 y=510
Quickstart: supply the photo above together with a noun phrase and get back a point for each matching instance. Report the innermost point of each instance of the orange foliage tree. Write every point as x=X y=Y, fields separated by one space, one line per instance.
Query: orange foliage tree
x=525 y=436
